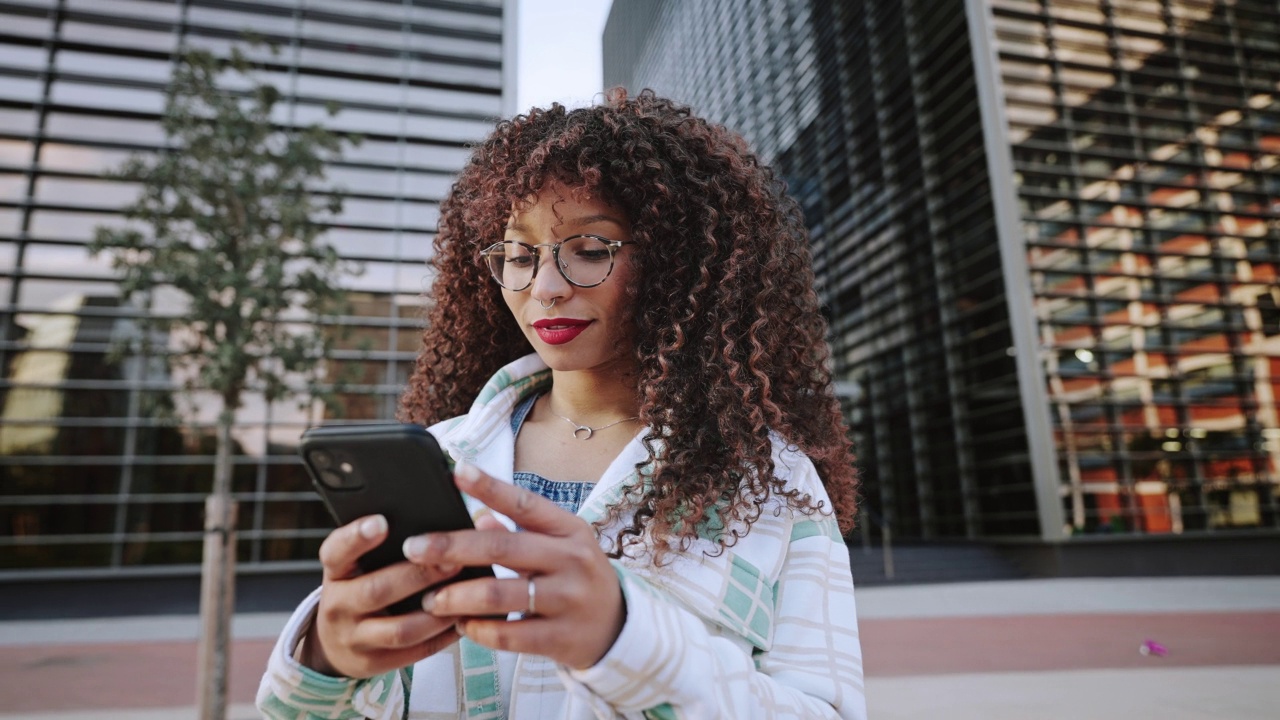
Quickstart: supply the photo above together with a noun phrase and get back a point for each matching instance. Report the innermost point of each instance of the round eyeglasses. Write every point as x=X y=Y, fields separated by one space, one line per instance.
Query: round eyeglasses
x=583 y=260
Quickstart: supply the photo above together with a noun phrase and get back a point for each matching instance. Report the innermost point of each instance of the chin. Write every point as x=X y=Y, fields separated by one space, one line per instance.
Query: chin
x=563 y=359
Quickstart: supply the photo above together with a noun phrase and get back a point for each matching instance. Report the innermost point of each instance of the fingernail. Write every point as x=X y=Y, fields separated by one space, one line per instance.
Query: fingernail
x=429 y=601
x=415 y=547
x=372 y=527
x=459 y=629
x=447 y=569
x=467 y=473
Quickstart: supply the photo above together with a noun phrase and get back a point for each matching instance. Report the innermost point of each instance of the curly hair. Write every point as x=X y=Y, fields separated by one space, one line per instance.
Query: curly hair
x=729 y=340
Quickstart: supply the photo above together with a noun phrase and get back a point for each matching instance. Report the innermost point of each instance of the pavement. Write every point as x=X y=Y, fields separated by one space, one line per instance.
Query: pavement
x=1059 y=649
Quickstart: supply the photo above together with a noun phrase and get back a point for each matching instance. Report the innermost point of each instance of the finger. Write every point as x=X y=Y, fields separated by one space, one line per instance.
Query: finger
x=487 y=521
x=373 y=592
x=344 y=546
x=537 y=635
x=380 y=660
x=529 y=552
x=527 y=509
x=401 y=632
x=491 y=597
x=409 y=656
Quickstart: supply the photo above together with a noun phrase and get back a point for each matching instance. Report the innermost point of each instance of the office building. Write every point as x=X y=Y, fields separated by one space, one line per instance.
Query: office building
x=1047 y=233
x=105 y=463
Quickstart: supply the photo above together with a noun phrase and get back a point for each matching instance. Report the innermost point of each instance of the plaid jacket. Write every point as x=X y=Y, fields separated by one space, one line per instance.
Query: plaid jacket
x=765 y=629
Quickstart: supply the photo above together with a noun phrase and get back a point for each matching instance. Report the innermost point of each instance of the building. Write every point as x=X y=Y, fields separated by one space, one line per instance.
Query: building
x=103 y=466
x=1047 y=233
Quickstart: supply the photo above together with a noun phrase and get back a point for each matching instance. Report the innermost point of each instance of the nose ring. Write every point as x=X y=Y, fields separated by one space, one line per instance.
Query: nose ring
x=547 y=306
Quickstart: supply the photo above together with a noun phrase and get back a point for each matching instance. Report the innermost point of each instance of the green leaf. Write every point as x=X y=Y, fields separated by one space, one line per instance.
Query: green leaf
x=226 y=220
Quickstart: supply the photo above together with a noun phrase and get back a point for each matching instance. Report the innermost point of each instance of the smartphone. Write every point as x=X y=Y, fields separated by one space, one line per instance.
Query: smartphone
x=394 y=469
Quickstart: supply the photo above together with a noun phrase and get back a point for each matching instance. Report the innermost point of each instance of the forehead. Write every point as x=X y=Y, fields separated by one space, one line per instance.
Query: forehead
x=558 y=203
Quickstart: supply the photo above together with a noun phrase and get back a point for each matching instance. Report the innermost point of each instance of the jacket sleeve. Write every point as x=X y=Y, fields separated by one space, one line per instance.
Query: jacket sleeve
x=291 y=691
x=668 y=662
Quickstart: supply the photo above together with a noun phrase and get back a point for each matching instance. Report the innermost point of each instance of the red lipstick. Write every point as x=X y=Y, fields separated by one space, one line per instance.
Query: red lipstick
x=558 y=331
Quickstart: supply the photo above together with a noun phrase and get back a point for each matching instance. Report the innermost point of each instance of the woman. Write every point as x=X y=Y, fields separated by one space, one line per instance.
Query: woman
x=661 y=427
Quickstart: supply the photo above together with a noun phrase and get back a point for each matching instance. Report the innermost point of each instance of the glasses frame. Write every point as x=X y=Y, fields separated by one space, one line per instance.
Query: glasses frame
x=612 y=245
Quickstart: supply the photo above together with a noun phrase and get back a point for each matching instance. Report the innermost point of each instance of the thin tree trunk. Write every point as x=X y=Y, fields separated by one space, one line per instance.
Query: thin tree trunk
x=217 y=584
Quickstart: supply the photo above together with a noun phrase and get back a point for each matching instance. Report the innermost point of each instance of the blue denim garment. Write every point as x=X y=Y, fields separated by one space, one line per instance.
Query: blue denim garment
x=568 y=494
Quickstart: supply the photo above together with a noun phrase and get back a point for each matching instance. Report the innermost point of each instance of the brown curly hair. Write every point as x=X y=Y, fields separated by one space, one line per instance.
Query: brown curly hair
x=729 y=339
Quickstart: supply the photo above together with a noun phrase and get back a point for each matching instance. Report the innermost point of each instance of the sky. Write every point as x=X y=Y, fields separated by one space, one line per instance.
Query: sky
x=558 y=52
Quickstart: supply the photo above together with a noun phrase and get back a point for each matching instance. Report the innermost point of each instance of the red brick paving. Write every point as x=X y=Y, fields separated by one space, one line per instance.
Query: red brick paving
x=117 y=675
x=162 y=674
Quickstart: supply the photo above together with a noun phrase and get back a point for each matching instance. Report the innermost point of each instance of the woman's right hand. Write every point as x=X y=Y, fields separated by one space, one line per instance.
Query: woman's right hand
x=352 y=636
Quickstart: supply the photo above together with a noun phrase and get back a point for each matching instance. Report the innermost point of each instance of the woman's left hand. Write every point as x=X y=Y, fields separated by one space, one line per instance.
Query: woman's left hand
x=578 y=606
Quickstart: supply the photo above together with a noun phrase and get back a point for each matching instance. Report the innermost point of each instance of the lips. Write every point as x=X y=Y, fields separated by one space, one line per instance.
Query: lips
x=558 y=331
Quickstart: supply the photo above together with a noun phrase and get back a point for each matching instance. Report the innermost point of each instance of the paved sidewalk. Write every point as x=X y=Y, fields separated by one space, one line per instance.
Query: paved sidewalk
x=1213 y=693
x=1068 y=649
x=1012 y=650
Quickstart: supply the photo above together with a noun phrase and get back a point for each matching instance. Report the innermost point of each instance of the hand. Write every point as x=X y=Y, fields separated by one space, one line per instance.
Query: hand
x=579 y=604
x=352 y=636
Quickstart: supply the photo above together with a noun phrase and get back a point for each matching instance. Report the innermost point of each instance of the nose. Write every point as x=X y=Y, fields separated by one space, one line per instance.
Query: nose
x=548 y=282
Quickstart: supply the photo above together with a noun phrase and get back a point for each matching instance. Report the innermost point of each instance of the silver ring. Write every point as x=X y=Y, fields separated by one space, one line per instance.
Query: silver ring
x=533 y=599
x=548 y=306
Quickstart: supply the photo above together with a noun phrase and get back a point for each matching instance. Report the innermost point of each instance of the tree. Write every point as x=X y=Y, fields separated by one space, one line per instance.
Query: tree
x=227 y=215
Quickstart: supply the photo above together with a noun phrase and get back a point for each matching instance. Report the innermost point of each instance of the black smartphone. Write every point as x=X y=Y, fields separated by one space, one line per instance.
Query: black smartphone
x=394 y=469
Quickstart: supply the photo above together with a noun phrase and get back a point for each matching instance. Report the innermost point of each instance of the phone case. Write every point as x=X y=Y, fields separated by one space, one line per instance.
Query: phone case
x=397 y=470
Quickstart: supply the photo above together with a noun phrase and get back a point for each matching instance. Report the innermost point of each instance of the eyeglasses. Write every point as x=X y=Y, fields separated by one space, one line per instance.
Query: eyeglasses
x=583 y=260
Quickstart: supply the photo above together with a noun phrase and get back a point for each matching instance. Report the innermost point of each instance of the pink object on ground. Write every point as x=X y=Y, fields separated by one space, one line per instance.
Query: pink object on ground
x=1151 y=647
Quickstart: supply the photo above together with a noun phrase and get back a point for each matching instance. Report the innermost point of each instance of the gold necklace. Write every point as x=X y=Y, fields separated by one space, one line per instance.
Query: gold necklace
x=580 y=428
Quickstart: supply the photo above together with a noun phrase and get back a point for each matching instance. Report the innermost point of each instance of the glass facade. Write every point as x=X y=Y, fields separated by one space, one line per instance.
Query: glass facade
x=104 y=464
x=1104 y=364
x=1145 y=138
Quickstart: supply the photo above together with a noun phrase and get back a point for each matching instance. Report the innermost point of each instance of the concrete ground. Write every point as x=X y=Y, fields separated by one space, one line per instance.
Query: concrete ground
x=1064 y=649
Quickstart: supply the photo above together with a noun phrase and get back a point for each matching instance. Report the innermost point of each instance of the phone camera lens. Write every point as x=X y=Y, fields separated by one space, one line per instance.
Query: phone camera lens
x=321 y=459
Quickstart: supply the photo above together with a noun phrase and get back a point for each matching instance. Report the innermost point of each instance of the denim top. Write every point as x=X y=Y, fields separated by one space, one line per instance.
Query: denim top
x=568 y=494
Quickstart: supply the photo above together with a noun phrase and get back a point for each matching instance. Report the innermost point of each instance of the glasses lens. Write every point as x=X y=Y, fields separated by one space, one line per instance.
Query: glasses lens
x=511 y=264
x=586 y=260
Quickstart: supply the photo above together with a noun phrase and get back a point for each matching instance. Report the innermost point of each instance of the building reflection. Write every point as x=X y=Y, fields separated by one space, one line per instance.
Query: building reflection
x=1149 y=203
x=1046 y=233
x=105 y=463
x=83 y=488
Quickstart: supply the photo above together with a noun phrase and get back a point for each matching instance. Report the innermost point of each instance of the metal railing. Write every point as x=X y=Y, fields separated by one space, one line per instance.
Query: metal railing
x=866 y=516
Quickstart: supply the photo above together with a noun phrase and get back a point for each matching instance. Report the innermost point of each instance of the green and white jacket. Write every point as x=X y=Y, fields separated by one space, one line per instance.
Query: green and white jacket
x=764 y=629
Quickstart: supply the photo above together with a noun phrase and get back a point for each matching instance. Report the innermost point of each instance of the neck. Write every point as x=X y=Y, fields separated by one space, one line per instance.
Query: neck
x=593 y=398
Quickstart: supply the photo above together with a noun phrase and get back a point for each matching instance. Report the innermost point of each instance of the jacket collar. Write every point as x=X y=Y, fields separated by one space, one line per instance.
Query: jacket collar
x=483 y=436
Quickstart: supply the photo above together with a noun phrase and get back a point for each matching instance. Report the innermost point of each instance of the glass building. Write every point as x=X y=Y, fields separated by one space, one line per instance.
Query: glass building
x=1047 y=233
x=94 y=480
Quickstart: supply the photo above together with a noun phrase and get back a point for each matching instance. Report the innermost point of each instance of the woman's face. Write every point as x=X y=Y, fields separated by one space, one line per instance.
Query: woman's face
x=586 y=328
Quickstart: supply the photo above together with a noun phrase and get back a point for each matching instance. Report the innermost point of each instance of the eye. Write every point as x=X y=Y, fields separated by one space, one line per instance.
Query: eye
x=588 y=250
x=592 y=255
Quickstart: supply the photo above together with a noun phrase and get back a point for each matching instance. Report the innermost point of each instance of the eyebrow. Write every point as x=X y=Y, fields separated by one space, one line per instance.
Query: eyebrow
x=576 y=222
